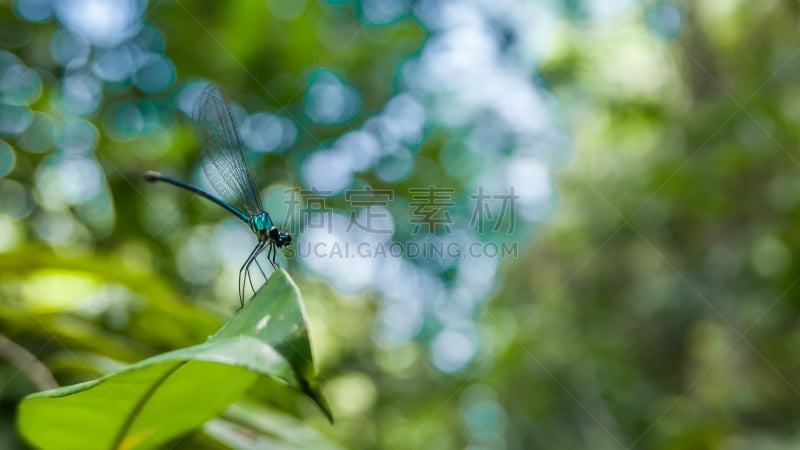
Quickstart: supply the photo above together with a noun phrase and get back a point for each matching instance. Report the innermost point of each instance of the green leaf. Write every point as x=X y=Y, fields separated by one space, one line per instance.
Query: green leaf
x=162 y=397
x=248 y=425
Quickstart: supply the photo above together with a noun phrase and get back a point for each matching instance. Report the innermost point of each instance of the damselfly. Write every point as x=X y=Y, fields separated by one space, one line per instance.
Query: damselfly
x=225 y=165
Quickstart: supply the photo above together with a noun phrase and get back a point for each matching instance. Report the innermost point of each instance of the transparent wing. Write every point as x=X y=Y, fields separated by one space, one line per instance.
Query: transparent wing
x=223 y=154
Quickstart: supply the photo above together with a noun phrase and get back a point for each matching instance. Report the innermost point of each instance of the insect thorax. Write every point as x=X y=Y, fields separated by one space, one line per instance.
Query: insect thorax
x=260 y=223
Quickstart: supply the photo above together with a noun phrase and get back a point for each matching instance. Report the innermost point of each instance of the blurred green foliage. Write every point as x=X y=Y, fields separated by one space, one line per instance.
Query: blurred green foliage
x=656 y=309
x=152 y=402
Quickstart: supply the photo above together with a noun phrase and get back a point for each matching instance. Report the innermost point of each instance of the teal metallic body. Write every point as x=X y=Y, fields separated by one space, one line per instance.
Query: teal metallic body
x=260 y=223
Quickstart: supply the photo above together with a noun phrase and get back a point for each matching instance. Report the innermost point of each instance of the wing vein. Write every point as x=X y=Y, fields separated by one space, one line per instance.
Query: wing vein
x=224 y=161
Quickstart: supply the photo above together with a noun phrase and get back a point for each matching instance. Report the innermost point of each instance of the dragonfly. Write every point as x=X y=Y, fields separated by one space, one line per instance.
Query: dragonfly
x=225 y=166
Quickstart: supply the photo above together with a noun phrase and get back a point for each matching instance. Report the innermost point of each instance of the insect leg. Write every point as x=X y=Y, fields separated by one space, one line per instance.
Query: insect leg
x=243 y=275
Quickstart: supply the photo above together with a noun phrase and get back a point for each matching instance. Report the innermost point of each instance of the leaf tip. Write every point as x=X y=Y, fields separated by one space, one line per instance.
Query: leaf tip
x=313 y=391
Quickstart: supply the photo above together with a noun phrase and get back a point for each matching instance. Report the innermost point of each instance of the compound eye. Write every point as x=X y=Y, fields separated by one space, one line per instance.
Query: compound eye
x=274 y=235
x=286 y=239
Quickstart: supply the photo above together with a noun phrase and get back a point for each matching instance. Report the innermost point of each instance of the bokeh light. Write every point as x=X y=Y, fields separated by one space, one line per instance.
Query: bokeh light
x=155 y=74
x=381 y=12
x=77 y=137
x=17 y=202
x=262 y=132
x=40 y=135
x=331 y=101
x=66 y=180
x=7 y=158
x=34 y=10
x=19 y=85
x=665 y=19
x=80 y=94
x=14 y=119
x=104 y=23
x=69 y=50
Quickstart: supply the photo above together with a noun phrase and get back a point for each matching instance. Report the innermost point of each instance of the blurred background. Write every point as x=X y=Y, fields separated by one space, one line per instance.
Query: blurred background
x=624 y=172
